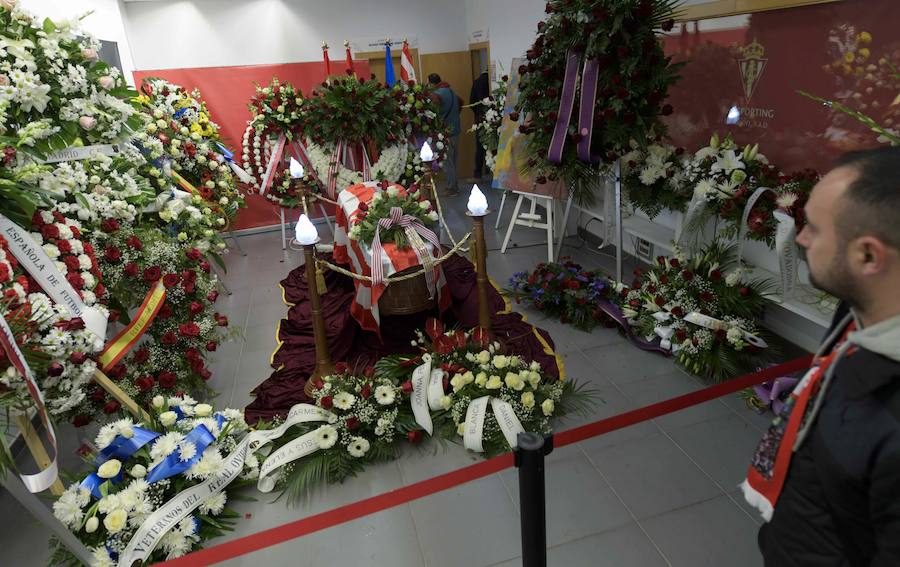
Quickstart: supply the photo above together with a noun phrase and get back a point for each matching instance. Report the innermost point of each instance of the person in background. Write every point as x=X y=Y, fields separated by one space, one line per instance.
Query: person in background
x=826 y=476
x=449 y=104
x=481 y=89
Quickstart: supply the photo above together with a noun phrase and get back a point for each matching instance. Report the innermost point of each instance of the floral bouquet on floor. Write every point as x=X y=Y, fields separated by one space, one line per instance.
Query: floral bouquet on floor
x=488 y=129
x=478 y=394
x=140 y=467
x=389 y=197
x=287 y=191
x=653 y=178
x=364 y=418
x=563 y=290
x=703 y=309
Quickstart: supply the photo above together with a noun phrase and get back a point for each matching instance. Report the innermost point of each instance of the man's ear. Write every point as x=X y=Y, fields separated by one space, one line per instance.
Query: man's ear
x=871 y=253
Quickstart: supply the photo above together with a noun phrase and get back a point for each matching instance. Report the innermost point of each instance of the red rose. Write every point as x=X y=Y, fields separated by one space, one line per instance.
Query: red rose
x=366 y=391
x=131 y=269
x=195 y=307
x=205 y=374
x=190 y=329
x=407 y=387
x=188 y=287
x=167 y=379
x=77 y=357
x=109 y=225
x=326 y=402
x=112 y=406
x=152 y=273
x=318 y=384
x=687 y=275
x=64 y=247
x=165 y=311
x=81 y=420
x=50 y=231
x=674 y=263
x=98 y=395
x=117 y=372
x=140 y=356
x=112 y=254
x=212 y=296
x=660 y=300
x=171 y=280
x=222 y=320
x=678 y=311
x=189 y=276
x=192 y=354
x=134 y=242
x=414 y=436
x=192 y=254
x=744 y=291
x=211 y=346
x=706 y=296
x=169 y=338
x=144 y=384
x=352 y=423
x=715 y=275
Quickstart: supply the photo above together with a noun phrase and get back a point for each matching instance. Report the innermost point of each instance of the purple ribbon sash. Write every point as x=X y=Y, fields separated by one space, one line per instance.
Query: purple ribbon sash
x=566 y=102
x=616 y=315
x=586 y=113
x=589 y=78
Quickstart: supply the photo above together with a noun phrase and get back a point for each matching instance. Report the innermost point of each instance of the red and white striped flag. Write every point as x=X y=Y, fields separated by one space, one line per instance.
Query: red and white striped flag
x=407 y=71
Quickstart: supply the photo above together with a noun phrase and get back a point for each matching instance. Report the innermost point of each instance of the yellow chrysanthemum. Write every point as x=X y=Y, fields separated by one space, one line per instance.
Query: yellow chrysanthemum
x=864 y=37
x=195 y=127
x=863 y=53
x=202 y=118
x=142 y=99
x=849 y=57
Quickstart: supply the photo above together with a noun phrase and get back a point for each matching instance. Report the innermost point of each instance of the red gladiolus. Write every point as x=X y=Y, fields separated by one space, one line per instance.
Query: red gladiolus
x=152 y=273
x=144 y=384
x=169 y=338
x=112 y=406
x=326 y=402
x=414 y=436
x=167 y=379
x=171 y=280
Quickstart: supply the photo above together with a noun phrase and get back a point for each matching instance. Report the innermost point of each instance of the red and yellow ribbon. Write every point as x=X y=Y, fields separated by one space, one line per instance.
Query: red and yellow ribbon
x=122 y=343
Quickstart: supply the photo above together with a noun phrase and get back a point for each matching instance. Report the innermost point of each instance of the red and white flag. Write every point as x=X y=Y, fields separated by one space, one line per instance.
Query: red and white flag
x=407 y=71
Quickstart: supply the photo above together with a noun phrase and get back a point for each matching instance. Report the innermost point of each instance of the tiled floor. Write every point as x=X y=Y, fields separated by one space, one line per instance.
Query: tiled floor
x=662 y=493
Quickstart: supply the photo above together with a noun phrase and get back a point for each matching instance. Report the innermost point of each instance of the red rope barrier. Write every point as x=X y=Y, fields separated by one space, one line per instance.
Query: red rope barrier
x=380 y=502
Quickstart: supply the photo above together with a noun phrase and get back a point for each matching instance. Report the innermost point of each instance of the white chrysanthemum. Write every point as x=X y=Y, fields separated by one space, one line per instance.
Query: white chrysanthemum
x=165 y=445
x=100 y=558
x=68 y=508
x=214 y=505
x=358 y=446
x=344 y=400
x=210 y=464
x=186 y=450
x=175 y=544
x=326 y=437
x=786 y=200
x=385 y=395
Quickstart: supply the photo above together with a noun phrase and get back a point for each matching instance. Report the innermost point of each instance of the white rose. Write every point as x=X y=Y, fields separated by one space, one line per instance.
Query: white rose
x=138 y=471
x=483 y=357
x=202 y=410
x=461 y=429
x=158 y=402
x=514 y=381
x=168 y=418
x=91 y=525
x=481 y=379
x=500 y=361
x=547 y=407
x=446 y=402
x=528 y=400
x=494 y=383
x=110 y=468
x=115 y=520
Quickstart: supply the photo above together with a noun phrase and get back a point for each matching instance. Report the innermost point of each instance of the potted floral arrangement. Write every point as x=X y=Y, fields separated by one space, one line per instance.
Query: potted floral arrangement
x=140 y=467
x=703 y=309
x=564 y=290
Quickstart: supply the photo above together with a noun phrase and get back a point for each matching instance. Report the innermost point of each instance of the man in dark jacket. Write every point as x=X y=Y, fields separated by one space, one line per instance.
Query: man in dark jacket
x=481 y=89
x=826 y=476
x=449 y=104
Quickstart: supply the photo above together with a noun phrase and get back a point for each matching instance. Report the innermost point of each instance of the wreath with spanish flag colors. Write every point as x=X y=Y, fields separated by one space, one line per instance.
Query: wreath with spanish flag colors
x=596 y=77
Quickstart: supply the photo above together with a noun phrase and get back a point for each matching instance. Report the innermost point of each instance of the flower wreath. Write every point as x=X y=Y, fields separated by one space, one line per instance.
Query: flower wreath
x=619 y=40
x=368 y=214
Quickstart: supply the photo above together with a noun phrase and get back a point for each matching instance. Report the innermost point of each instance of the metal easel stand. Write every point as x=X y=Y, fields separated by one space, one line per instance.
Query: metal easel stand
x=220 y=279
x=500 y=209
x=618 y=216
x=42 y=514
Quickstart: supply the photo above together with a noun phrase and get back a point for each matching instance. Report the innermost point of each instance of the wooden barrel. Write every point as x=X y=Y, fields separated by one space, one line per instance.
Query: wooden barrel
x=406 y=297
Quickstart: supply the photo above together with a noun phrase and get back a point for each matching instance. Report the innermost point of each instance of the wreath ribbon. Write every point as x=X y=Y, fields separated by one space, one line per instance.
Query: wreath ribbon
x=415 y=231
x=589 y=76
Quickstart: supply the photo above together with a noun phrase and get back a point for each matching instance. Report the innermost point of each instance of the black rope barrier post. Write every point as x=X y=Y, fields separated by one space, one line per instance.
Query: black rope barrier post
x=530 y=453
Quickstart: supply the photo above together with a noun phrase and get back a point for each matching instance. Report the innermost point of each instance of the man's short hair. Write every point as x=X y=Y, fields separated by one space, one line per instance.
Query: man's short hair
x=434 y=78
x=871 y=204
